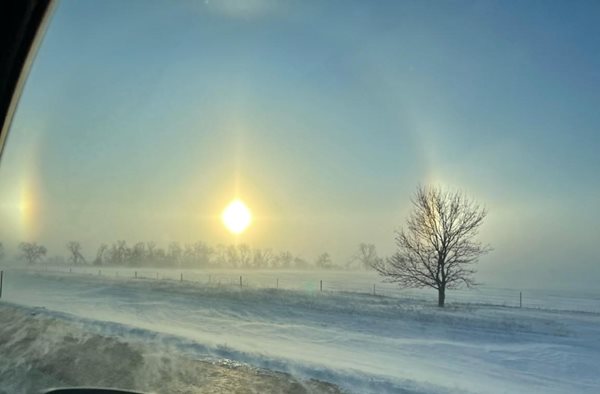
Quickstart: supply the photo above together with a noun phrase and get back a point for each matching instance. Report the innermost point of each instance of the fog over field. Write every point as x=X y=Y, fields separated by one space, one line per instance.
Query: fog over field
x=322 y=118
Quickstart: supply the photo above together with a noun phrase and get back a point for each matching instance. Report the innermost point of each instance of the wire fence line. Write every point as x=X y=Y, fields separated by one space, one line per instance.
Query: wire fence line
x=357 y=282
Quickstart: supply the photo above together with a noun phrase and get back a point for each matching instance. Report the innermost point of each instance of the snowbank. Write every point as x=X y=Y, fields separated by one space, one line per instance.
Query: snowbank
x=41 y=349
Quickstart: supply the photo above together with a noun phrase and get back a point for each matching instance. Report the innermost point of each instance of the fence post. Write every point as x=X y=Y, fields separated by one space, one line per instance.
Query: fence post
x=277 y=283
x=135 y=274
x=374 y=289
x=520 y=299
x=1 y=280
x=70 y=269
x=181 y=277
x=240 y=281
x=321 y=285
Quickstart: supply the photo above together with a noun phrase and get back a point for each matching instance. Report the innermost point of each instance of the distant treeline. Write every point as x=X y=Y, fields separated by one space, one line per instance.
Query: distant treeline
x=196 y=255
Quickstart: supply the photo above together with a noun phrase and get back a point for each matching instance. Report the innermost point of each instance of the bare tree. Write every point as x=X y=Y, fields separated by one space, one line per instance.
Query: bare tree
x=262 y=258
x=221 y=256
x=245 y=255
x=74 y=248
x=137 y=254
x=32 y=252
x=160 y=256
x=151 y=258
x=197 y=255
x=188 y=255
x=203 y=254
x=99 y=260
x=366 y=257
x=119 y=253
x=284 y=260
x=174 y=254
x=324 y=261
x=438 y=247
x=232 y=256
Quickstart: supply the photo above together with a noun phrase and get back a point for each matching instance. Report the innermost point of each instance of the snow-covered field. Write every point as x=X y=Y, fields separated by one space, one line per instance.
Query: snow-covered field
x=360 y=342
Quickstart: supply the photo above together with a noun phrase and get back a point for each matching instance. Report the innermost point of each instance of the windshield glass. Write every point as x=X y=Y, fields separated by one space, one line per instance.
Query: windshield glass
x=316 y=196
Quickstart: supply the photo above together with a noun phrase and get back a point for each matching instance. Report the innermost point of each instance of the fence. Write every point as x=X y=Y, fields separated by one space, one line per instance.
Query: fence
x=349 y=282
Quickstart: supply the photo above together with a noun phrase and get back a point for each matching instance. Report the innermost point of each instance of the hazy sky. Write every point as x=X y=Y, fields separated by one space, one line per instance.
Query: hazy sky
x=141 y=120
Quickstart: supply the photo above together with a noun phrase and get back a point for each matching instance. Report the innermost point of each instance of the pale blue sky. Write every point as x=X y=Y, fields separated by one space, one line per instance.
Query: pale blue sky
x=141 y=117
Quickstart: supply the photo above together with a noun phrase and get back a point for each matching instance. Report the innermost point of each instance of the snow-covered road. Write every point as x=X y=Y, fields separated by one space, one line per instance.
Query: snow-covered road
x=360 y=342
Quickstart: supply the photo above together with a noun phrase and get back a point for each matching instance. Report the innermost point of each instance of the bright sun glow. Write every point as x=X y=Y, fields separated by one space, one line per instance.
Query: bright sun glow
x=236 y=217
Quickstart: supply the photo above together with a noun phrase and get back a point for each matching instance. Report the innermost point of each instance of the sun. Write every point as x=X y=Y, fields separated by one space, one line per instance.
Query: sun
x=236 y=217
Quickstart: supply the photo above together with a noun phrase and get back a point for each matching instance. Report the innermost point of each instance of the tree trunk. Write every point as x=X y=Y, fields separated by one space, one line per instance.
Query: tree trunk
x=441 y=296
